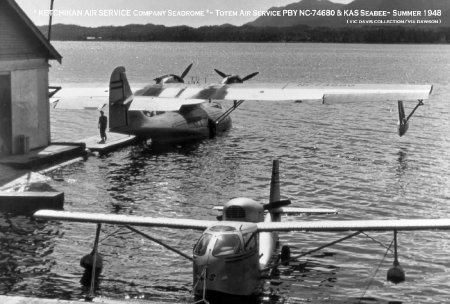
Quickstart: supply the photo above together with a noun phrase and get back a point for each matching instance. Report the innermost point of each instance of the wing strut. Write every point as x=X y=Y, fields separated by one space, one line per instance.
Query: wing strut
x=313 y=250
x=96 y=259
x=236 y=104
x=160 y=243
x=403 y=121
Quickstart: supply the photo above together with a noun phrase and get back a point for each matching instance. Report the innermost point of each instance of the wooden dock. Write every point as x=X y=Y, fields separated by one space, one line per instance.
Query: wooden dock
x=115 y=141
x=55 y=152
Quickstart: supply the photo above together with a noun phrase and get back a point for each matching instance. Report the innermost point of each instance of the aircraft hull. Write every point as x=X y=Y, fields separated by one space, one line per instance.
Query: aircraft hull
x=191 y=124
x=246 y=266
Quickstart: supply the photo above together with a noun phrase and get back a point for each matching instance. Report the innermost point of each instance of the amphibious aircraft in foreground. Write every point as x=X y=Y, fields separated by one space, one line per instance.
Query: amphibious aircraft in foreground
x=232 y=253
x=172 y=111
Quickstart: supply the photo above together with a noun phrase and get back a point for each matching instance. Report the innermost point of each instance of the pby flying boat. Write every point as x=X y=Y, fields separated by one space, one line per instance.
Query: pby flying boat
x=233 y=252
x=172 y=111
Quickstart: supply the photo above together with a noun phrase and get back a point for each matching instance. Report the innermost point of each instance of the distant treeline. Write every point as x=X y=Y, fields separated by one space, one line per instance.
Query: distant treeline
x=229 y=33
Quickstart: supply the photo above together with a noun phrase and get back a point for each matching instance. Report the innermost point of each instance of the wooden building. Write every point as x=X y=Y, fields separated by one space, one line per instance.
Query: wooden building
x=24 y=86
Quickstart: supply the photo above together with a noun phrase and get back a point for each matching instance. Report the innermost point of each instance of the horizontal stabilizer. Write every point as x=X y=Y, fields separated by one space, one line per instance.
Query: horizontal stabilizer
x=148 y=103
x=370 y=225
x=119 y=219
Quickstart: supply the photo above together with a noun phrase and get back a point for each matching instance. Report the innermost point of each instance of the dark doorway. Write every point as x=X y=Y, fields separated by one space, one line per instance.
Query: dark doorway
x=5 y=115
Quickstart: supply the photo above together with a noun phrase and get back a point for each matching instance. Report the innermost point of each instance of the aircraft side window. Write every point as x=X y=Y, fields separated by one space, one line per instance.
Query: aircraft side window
x=202 y=244
x=249 y=241
x=227 y=244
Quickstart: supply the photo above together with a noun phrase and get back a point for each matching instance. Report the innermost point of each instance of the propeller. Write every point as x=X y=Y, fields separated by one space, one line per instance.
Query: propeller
x=250 y=76
x=234 y=78
x=222 y=74
x=174 y=78
x=277 y=204
x=186 y=71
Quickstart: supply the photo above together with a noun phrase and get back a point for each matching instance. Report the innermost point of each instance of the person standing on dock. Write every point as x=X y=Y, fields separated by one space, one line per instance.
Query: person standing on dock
x=102 y=124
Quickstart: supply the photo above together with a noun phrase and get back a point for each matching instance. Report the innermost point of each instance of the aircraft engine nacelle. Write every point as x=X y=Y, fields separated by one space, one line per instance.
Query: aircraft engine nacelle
x=244 y=210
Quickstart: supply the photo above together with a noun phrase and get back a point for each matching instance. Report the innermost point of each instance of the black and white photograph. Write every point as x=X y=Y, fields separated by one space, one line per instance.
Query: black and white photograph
x=205 y=151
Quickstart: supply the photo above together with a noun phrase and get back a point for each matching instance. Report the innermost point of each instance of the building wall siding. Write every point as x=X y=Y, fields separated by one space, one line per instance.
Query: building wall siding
x=24 y=56
x=16 y=40
x=30 y=107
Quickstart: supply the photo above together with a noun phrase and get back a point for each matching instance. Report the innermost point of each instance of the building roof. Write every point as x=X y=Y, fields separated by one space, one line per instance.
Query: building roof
x=53 y=53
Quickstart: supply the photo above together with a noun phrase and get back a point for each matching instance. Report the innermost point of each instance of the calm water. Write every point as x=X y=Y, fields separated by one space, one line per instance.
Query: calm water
x=347 y=157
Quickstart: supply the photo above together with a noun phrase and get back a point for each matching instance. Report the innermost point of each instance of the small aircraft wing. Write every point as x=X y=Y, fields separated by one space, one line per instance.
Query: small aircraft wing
x=149 y=103
x=371 y=225
x=119 y=219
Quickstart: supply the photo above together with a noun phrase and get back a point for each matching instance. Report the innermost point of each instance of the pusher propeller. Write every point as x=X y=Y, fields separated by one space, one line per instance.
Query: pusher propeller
x=277 y=204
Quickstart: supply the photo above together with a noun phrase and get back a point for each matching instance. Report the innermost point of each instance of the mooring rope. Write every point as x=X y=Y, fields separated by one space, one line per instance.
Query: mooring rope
x=376 y=271
x=204 y=276
x=111 y=234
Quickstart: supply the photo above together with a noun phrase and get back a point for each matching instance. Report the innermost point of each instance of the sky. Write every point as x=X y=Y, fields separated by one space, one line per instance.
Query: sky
x=171 y=12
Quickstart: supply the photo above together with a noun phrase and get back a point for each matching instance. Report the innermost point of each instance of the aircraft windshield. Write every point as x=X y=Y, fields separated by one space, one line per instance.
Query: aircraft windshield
x=202 y=244
x=227 y=244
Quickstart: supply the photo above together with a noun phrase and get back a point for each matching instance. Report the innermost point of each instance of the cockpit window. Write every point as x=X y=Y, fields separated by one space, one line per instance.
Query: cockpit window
x=202 y=244
x=227 y=244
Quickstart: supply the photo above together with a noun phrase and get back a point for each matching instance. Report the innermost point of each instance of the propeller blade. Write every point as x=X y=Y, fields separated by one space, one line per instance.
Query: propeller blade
x=222 y=74
x=186 y=71
x=250 y=76
x=277 y=204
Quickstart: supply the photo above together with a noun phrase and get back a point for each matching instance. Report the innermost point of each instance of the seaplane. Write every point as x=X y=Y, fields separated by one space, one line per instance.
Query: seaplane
x=171 y=111
x=234 y=251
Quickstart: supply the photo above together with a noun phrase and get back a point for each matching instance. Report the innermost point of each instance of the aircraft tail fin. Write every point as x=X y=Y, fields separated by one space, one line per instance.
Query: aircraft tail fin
x=275 y=182
x=275 y=191
x=119 y=95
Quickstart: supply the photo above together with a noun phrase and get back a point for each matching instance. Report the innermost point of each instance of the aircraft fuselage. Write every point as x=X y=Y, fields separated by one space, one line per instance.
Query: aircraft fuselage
x=189 y=123
x=229 y=256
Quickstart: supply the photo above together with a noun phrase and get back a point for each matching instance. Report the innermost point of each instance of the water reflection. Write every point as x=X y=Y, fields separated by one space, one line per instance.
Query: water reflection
x=25 y=249
x=402 y=163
